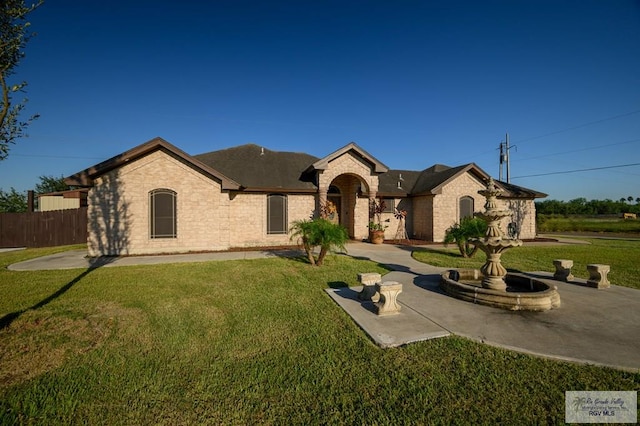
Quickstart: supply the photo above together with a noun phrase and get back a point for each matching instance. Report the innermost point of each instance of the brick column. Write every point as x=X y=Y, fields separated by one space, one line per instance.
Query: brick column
x=322 y=201
x=372 y=202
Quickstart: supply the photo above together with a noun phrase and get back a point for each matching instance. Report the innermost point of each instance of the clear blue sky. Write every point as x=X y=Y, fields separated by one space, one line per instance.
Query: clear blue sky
x=412 y=82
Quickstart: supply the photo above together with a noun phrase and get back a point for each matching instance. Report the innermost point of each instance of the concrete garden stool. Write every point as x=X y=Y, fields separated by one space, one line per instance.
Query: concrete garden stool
x=388 y=303
x=369 y=281
x=598 y=275
x=563 y=269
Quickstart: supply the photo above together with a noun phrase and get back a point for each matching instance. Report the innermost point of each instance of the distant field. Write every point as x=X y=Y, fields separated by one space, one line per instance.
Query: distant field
x=613 y=225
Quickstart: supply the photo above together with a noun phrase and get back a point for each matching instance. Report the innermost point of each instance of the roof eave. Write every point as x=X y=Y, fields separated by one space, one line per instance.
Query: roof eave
x=86 y=177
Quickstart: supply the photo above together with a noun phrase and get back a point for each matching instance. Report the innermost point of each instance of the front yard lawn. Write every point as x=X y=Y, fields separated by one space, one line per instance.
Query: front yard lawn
x=247 y=342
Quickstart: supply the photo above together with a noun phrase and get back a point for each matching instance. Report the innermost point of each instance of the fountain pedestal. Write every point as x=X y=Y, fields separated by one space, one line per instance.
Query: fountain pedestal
x=494 y=242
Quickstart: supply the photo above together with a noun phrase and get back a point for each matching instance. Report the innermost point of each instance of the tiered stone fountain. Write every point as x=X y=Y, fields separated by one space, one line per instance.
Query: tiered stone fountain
x=492 y=285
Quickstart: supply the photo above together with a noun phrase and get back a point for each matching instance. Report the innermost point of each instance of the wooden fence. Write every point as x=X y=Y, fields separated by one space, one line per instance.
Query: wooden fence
x=43 y=229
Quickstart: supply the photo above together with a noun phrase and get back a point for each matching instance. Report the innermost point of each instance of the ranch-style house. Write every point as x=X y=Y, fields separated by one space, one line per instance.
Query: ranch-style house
x=155 y=198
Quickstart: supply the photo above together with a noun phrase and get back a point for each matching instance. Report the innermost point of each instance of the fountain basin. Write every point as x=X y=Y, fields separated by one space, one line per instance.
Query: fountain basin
x=523 y=293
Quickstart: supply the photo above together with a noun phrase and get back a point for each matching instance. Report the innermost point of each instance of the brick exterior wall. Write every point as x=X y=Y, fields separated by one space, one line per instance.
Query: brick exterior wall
x=422 y=218
x=119 y=209
x=433 y=215
x=391 y=222
x=446 y=205
x=249 y=219
x=207 y=218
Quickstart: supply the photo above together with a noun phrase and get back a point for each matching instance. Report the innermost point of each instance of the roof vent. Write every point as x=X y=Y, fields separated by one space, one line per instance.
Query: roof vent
x=400 y=185
x=261 y=150
x=400 y=176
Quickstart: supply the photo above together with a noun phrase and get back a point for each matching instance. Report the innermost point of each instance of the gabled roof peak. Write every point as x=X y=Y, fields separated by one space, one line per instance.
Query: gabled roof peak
x=323 y=163
x=437 y=168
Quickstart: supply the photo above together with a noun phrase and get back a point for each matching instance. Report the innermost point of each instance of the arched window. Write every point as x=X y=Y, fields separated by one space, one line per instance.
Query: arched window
x=466 y=207
x=162 y=213
x=276 y=214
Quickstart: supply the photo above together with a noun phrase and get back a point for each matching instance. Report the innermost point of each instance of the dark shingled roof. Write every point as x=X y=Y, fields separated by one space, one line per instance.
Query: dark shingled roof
x=515 y=191
x=431 y=179
x=85 y=178
x=256 y=168
x=388 y=183
x=260 y=169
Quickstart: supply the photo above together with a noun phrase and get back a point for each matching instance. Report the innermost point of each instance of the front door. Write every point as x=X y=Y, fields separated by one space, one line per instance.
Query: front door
x=336 y=215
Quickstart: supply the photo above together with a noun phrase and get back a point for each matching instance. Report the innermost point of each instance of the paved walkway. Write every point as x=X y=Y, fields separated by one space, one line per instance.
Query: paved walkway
x=592 y=326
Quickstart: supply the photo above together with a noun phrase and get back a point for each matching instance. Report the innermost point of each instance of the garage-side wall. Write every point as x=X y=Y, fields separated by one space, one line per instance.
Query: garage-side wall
x=119 y=211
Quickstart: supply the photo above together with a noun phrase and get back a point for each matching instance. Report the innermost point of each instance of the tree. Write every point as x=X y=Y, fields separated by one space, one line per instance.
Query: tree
x=630 y=199
x=13 y=201
x=14 y=36
x=461 y=233
x=51 y=184
x=319 y=232
x=16 y=202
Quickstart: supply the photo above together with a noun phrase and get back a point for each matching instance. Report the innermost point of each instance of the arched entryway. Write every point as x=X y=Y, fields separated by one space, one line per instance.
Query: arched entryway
x=350 y=196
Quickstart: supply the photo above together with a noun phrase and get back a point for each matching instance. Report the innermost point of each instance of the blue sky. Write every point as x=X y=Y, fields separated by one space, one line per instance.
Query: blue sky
x=412 y=82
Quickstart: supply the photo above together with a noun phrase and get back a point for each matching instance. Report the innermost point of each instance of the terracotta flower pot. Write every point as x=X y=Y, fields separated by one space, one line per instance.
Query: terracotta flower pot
x=376 y=237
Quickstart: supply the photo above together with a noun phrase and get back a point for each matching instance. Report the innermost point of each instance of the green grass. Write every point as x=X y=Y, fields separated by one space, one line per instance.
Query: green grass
x=577 y=224
x=246 y=342
x=621 y=255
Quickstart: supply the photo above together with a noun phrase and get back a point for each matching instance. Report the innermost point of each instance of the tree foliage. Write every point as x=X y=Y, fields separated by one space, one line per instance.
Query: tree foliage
x=14 y=35
x=51 y=184
x=580 y=206
x=13 y=201
x=319 y=233
x=461 y=233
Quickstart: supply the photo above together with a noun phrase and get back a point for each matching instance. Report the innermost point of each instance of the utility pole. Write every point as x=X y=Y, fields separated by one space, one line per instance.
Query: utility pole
x=504 y=158
x=508 y=163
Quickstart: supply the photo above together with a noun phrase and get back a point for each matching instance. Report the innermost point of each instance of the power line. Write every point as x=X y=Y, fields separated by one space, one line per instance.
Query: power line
x=578 y=150
x=579 y=126
x=578 y=170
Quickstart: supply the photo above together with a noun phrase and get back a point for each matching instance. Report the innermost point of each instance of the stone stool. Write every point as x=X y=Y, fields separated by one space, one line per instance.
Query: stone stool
x=388 y=303
x=598 y=275
x=563 y=269
x=369 y=281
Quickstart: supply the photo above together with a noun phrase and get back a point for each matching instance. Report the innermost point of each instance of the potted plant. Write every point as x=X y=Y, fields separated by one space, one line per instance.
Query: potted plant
x=376 y=228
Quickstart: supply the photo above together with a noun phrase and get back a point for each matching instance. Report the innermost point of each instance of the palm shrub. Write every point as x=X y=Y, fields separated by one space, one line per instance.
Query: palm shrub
x=461 y=233
x=319 y=233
